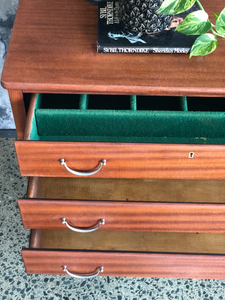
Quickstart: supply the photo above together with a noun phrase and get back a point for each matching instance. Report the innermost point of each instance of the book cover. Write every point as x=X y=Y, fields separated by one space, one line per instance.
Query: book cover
x=114 y=38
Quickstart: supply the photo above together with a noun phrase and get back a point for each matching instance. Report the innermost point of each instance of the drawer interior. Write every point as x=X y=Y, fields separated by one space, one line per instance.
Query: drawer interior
x=156 y=190
x=117 y=118
x=202 y=243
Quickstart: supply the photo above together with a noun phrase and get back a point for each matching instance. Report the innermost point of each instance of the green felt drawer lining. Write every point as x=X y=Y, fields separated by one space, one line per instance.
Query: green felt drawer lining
x=129 y=119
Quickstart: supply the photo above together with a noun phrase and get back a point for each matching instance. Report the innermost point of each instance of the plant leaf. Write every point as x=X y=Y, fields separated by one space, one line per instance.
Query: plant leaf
x=216 y=16
x=195 y=23
x=204 y=45
x=173 y=7
x=220 y=22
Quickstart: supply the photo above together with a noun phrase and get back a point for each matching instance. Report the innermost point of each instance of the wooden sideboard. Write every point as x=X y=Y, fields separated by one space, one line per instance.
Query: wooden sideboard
x=159 y=207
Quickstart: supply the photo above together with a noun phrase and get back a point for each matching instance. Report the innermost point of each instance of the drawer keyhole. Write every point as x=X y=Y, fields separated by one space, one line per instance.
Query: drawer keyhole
x=191 y=155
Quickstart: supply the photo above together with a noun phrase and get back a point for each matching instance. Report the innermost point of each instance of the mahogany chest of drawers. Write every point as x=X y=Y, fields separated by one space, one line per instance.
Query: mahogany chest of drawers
x=146 y=130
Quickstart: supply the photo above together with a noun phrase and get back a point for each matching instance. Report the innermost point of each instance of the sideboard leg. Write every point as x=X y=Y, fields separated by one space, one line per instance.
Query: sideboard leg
x=19 y=112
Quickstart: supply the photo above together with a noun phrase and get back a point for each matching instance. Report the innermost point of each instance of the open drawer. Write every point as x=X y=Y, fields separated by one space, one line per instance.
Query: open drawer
x=79 y=204
x=124 y=137
x=143 y=254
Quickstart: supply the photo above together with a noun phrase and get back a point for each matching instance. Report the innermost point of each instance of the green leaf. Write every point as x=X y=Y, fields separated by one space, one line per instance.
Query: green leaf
x=216 y=16
x=195 y=23
x=173 y=7
x=204 y=45
x=220 y=22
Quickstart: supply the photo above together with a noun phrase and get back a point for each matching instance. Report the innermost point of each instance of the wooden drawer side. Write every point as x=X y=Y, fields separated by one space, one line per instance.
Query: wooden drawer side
x=163 y=161
x=123 y=216
x=125 y=264
x=126 y=119
x=147 y=256
x=124 y=159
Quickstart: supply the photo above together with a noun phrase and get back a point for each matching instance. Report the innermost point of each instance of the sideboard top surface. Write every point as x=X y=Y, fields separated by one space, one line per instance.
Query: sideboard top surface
x=53 y=49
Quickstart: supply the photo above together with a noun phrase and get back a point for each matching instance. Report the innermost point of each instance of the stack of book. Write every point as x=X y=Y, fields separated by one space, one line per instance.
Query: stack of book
x=114 y=38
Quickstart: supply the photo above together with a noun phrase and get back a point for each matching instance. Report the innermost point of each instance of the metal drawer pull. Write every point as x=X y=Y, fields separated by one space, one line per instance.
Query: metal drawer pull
x=63 y=163
x=101 y=222
x=100 y=269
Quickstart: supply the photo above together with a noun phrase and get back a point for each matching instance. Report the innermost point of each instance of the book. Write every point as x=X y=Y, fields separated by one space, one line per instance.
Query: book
x=114 y=38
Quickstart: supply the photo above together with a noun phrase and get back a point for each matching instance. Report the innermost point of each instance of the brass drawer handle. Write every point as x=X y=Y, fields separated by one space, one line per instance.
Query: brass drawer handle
x=101 y=222
x=63 y=163
x=100 y=269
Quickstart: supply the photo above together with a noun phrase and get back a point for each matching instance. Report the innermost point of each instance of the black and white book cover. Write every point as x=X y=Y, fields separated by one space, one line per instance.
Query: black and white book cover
x=114 y=38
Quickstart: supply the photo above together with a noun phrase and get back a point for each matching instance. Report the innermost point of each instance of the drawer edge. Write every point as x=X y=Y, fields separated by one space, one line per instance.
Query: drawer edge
x=123 y=216
x=125 y=264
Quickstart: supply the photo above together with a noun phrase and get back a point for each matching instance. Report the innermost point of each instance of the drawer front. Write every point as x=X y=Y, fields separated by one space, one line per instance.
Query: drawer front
x=123 y=216
x=123 y=160
x=125 y=264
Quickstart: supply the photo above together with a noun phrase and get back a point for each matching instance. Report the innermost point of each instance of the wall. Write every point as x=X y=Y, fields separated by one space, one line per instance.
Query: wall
x=7 y=15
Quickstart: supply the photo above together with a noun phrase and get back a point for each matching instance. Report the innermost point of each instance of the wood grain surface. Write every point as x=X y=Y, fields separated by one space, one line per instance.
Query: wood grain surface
x=124 y=160
x=35 y=238
x=54 y=48
x=126 y=204
x=33 y=187
x=191 y=243
x=125 y=264
x=123 y=216
x=154 y=190
x=30 y=117
x=118 y=261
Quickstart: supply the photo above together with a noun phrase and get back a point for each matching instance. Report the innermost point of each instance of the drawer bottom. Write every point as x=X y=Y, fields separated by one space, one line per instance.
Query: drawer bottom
x=142 y=254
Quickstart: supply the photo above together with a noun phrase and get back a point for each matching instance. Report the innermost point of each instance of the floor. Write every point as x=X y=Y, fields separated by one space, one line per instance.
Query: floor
x=15 y=284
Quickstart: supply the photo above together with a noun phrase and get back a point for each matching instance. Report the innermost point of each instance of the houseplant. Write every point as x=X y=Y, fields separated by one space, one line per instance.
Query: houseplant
x=196 y=23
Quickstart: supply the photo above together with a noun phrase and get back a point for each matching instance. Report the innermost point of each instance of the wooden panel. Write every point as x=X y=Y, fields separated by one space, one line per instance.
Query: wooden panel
x=19 y=113
x=157 y=190
x=131 y=216
x=163 y=161
x=104 y=249
x=77 y=67
x=33 y=187
x=192 y=243
x=35 y=238
x=30 y=117
x=126 y=264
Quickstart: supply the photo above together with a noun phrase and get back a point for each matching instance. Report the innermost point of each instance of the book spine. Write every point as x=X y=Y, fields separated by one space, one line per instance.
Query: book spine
x=168 y=50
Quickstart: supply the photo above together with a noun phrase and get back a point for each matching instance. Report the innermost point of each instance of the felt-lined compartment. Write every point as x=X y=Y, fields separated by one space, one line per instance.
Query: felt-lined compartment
x=110 y=102
x=118 y=118
x=206 y=104
x=159 y=103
